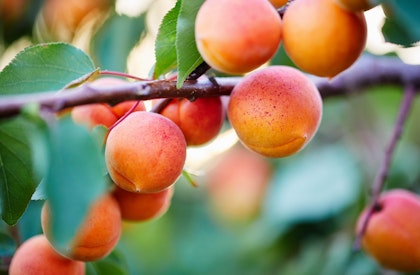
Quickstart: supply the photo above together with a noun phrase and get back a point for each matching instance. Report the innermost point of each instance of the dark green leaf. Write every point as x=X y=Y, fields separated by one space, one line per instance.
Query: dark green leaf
x=188 y=56
x=17 y=178
x=165 y=51
x=75 y=177
x=112 y=264
x=114 y=41
x=44 y=67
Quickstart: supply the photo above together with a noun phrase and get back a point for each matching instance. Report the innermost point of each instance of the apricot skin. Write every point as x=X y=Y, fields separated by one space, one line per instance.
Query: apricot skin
x=355 y=5
x=200 y=120
x=392 y=236
x=145 y=152
x=323 y=45
x=98 y=234
x=37 y=256
x=278 y=3
x=235 y=38
x=275 y=111
x=138 y=207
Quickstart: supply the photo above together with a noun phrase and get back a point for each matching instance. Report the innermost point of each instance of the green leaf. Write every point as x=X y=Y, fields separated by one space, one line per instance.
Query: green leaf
x=313 y=187
x=17 y=178
x=188 y=56
x=75 y=177
x=112 y=264
x=165 y=52
x=44 y=67
x=402 y=25
x=114 y=41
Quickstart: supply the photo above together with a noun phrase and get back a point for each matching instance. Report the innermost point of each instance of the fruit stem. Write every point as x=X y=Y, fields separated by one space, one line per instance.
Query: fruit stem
x=188 y=177
x=113 y=73
x=379 y=183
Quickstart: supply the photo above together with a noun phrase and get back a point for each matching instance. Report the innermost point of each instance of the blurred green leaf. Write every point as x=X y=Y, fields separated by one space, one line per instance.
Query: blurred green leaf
x=113 y=264
x=402 y=25
x=75 y=176
x=7 y=245
x=44 y=67
x=313 y=186
x=188 y=56
x=165 y=52
x=114 y=41
x=17 y=178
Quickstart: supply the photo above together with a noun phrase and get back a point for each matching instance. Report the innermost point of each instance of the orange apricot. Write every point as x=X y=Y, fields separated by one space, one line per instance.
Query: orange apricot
x=278 y=3
x=355 y=5
x=145 y=152
x=200 y=120
x=237 y=184
x=392 y=234
x=37 y=256
x=275 y=111
x=98 y=234
x=322 y=38
x=234 y=37
x=138 y=207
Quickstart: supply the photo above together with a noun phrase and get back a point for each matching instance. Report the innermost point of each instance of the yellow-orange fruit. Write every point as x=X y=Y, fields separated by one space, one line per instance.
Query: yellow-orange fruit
x=322 y=38
x=236 y=37
x=275 y=111
x=355 y=5
x=139 y=207
x=37 y=256
x=145 y=152
x=200 y=120
x=278 y=3
x=237 y=184
x=392 y=235
x=98 y=234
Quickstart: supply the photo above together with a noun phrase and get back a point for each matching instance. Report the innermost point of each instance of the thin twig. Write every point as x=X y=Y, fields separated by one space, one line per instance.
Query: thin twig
x=379 y=183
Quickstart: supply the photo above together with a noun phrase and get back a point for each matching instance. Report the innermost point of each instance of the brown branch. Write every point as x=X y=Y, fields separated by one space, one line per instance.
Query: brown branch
x=379 y=183
x=367 y=71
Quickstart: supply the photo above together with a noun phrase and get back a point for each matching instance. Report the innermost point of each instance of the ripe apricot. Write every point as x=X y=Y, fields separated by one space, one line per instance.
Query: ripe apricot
x=322 y=38
x=98 y=234
x=145 y=152
x=96 y=114
x=237 y=184
x=37 y=256
x=278 y=3
x=200 y=120
x=143 y=206
x=392 y=234
x=355 y=5
x=234 y=37
x=275 y=111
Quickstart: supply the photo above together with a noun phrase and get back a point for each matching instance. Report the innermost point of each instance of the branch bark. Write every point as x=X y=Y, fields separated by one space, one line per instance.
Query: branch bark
x=367 y=71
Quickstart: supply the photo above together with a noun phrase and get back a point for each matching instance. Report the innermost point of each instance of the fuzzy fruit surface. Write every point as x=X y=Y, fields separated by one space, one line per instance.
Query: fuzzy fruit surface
x=98 y=234
x=138 y=207
x=275 y=111
x=355 y=5
x=37 y=256
x=392 y=236
x=323 y=45
x=200 y=120
x=145 y=152
x=234 y=37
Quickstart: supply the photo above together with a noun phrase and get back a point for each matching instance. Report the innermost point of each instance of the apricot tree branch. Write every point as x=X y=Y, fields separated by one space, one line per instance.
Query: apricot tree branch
x=378 y=184
x=367 y=71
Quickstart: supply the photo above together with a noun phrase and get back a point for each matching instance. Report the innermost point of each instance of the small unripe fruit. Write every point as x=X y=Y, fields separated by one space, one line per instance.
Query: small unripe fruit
x=98 y=234
x=145 y=152
x=37 y=256
x=392 y=235
x=138 y=207
x=322 y=38
x=275 y=111
x=236 y=37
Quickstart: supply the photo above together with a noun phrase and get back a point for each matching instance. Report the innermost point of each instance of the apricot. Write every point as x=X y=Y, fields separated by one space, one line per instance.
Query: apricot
x=234 y=37
x=139 y=207
x=98 y=234
x=145 y=152
x=237 y=184
x=37 y=256
x=355 y=5
x=392 y=235
x=200 y=120
x=322 y=38
x=275 y=111
x=278 y=3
